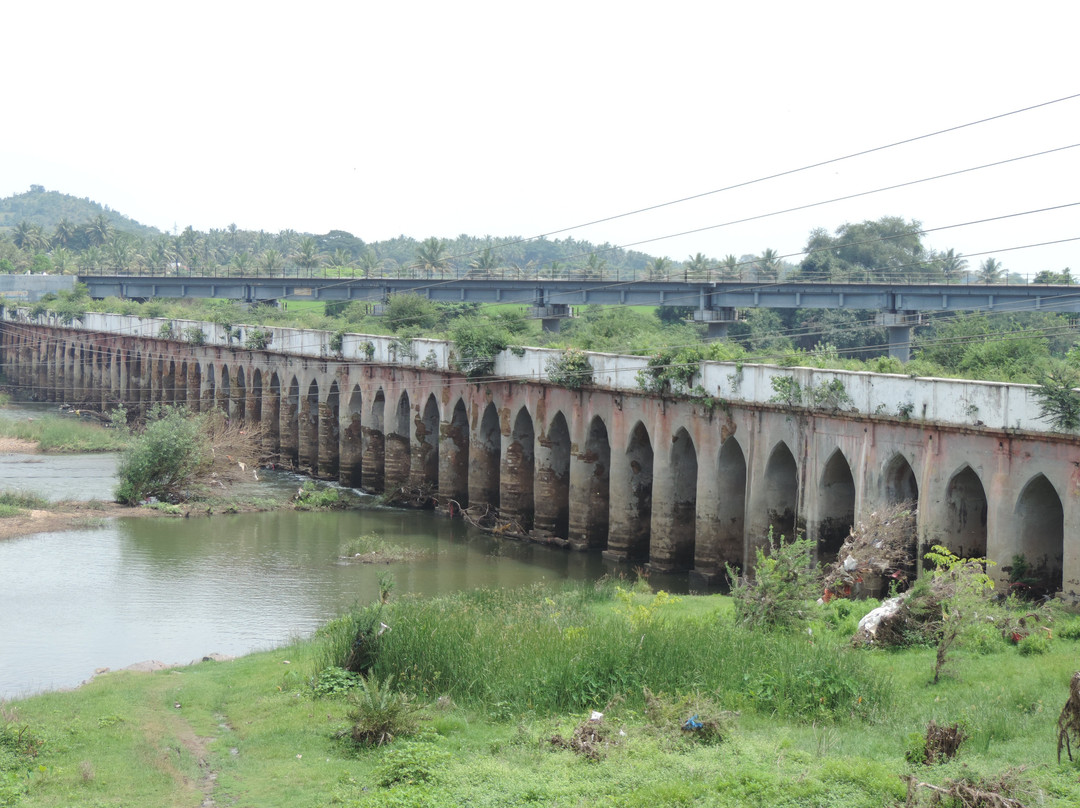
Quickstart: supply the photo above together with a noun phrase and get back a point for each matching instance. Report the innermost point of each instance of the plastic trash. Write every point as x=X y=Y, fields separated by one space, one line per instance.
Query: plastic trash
x=691 y=724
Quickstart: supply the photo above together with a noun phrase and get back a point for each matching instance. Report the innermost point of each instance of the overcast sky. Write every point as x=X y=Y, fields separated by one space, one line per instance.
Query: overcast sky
x=502 y=118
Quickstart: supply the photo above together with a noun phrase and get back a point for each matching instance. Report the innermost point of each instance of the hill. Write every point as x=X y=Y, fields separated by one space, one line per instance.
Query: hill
x=46 y=208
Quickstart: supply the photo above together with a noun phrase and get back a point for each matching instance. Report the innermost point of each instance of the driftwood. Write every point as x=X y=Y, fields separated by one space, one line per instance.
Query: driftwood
x=1069 y=720
x=419 y=497
x=488 y=519
x=962 y=794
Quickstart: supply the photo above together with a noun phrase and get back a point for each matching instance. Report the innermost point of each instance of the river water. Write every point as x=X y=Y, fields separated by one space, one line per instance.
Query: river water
x=174 y=589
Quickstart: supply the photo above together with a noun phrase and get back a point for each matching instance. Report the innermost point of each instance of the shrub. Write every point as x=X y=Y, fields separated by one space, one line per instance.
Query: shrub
x=962 y=585
x=784 y=578
x=195 y=335
x=165 y=460
x=312 y=497
x=571 y=370
x=378 y=713
x=258 y=339
x=1033 y=644
x=411 y=764
x=334 y=681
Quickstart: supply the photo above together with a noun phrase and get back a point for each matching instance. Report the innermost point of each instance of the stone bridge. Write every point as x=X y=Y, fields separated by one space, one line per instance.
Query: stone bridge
x=675 y=482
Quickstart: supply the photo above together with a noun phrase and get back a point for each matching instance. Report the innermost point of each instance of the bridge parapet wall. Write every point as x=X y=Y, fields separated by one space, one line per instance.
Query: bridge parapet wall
x=953 y=402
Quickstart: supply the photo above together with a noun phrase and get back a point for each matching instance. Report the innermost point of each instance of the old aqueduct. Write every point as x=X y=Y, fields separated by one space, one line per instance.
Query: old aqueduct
x=678 y=482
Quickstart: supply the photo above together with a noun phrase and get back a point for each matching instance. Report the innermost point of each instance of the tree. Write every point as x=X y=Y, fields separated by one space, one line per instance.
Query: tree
x=594 y=267
x=658 y=269
x=990 y=270
x=369 y=262
x=99 y=229
x=242 y=262
x=485 y=264
x=729 y=267
x=270 y=262
x=64 y=233
x=768 y=265
x=952 y=264
x=431 y=256
x=869 y=251
x=28 y=236
x=1049 y=276
x=307 y=254
x=696 y=268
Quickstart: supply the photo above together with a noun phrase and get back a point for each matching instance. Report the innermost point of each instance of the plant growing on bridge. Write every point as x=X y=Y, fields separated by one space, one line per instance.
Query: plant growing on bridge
x=1059 y=402
x=571 y=369
x=195 y=335
x=787 y=390
x=258 y=339
x=830 y=396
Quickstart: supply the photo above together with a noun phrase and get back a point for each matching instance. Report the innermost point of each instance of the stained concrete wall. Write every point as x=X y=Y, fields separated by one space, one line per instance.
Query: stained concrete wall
x=674 y=482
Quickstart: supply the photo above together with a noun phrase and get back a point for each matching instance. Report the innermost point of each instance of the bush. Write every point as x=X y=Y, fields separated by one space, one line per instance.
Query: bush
x=379 y=713
x=165 y=460
x=412 y=764
x=1033 y=645
x=334 y=681
x=312 y=497
x=784 y=578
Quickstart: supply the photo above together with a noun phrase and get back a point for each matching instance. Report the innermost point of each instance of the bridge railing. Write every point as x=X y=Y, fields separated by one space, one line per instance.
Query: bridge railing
x=975 y=404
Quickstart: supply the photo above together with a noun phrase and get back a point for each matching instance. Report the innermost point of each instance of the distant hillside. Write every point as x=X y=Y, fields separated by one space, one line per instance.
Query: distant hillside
x=46 y=208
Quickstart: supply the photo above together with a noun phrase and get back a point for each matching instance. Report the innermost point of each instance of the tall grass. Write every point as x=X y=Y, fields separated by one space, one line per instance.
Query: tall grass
x=54 y=433
x=536 y=649
x=15 y=503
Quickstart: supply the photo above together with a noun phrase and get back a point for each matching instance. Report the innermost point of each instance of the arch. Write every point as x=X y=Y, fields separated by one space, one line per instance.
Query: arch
x=271 y=419
x=209 y=395
x=1041 y=528
x=290 y=424
x=427 y=445
x=518 y=472
x=223 y=401
x=781 y=492
x=485 y=454
x=731 y=509
x=965 y=515
x=352 y=440
x=238 y=402
x=309 y=427
x=592 y=514
x=552 y=482
x=683 y=505
x=398 y=459
x=194 y=399
x=898 y=482
x=180 y=384
x=253 y=406
x=638 y=496
x=454 y=457
x=836 y=506
x=374 y=461
x=329 y=415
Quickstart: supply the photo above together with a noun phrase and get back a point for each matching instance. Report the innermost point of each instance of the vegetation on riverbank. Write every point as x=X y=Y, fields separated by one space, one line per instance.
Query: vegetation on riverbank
x=505 y=683
x=64 y=434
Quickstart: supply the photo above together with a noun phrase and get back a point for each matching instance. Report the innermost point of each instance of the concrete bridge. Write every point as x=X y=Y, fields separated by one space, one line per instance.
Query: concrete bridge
x=674 y=481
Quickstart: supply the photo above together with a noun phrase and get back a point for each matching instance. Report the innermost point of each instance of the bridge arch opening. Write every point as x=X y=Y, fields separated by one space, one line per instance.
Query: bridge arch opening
x=374 y=460
x=485 y=460
x=836 y=506
x=553 y=479
x=518 y=472
x=899 y=481
x=427 y=444
x=684 y=479
x=238 y=404
x=590 y=498
x=309 y=428
x=454 y=457
x=638 y=497
x=781 y=492
x=180 y=384
x=224 y=392
x=210 y=393
x=271 y=420
x=330 y=433
x=168 y=381
x=965 y=515
x=194 y=400
x=1041 y=523
x=398 y=460
x=352 y=441
x=254 y=406
x=731 y=510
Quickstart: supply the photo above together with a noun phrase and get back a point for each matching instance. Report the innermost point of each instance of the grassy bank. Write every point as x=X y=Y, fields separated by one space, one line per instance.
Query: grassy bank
x=506 y=682
x=65 y=434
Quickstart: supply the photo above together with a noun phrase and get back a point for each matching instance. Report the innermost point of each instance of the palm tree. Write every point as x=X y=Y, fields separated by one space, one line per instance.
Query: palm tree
x=242 y=262
x=28 y=236
x=729 y=267
x=952 y=264
x=768 y=265
x=658 y=269
x=431 y=256
x=63 y=260
x=64 y=233
x=485 y=264
x=990 y=270
x=370 y=263
x=696 y=268
x=99 y=229
x=594 y=267
x=270 y=262
x=307 y=254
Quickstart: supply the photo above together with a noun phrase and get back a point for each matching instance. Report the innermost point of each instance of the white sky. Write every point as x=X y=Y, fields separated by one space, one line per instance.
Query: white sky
x=439 y=118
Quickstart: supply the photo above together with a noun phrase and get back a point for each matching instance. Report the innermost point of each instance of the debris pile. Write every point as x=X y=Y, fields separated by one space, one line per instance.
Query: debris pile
x=878 y=550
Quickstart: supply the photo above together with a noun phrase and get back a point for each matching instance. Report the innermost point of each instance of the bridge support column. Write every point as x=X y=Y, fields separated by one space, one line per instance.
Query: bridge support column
x=373 y=462
x=717 y=321
x=329 y=439
x=551 y=316
x=899 y=324
x=352 y=450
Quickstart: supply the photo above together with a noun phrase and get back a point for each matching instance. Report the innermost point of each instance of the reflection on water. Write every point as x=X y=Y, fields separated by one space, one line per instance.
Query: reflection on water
x=177 y=589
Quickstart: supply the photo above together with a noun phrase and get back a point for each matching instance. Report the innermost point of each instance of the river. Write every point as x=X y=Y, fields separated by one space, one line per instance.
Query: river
x=174 y=590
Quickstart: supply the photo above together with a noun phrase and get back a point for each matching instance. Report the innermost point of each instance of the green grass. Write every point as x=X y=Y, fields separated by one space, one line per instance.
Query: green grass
x=16 y=503
x=58 y=434
x=254 y=723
